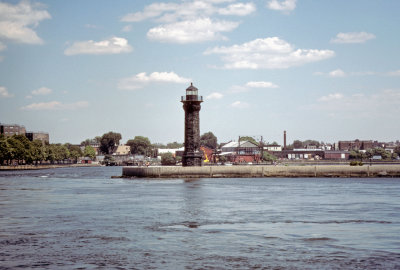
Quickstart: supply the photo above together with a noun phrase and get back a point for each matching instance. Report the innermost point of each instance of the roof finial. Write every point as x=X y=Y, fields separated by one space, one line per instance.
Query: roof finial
x=191 y=84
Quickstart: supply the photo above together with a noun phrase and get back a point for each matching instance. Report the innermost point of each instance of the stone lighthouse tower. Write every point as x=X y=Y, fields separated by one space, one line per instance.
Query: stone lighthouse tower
x=191 y=104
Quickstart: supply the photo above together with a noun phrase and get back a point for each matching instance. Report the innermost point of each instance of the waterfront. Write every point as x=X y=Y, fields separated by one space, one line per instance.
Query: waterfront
x=70 y=218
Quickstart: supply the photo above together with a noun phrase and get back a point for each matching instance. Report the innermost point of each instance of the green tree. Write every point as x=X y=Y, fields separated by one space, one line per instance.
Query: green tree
x=268 y=157
x=38 y=151
x=397 y=150
x=297 y=144
x=89 y=152
x=140 y=145
x=108 y=141
x=16 y=149
x=4 y=150
x=27 y=144
x=249 y=139
x=382 y=152
x=174 y=145
x=75 y=151
x=158 y=146
x=222 y=159
x=167 y=159
x=208 y=139
x=311 y=142
x=57 y=152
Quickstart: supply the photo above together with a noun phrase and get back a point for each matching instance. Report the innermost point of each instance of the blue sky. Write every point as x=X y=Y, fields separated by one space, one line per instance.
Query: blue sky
x=324 y=70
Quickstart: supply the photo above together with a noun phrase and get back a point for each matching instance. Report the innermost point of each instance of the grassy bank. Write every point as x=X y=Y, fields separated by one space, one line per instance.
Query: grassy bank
x=46 y=166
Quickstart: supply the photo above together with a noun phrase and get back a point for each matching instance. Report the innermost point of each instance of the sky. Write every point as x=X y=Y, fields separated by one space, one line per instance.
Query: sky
x=323 y=70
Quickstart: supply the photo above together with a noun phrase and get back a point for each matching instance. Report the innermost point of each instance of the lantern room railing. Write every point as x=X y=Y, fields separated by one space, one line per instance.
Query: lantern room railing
x=192 y=98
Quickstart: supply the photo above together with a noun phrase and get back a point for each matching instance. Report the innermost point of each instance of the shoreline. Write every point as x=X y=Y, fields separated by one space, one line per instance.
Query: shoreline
x=46 y=166
x=328 y=171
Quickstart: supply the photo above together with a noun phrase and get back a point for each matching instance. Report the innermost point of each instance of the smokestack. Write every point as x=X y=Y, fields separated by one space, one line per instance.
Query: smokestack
x=284 y=140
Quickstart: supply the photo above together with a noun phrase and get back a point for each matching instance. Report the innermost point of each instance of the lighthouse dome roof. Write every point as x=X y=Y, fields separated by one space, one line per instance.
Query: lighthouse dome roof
x=191 y=88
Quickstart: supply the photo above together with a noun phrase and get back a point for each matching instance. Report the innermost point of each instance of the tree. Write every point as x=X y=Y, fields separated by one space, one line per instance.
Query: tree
x=168 y=159
x=158 y=146
x=297 y=144
x=397 y=150
x=356 y=154
x=222 y=159
x=208 y=139
x=27 y=145
x=75 y=151
x=139 y=145
x=108 y=141
x=16 y=149
x=89 y=152
x=268 y=157
x=311 y=142
x=4 y=150
x=249 y=139
x=38 y=151
x=174 y=145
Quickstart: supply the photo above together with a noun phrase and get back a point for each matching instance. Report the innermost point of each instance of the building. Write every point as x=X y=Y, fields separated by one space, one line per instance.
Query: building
x=241 y=148
x=241 y=152
x=41 y=136
x=122 y=150
x=12 y=129
x=337 y=155
x=273 y=148
x=355 y=145
x=173 y=151
x=192 y=156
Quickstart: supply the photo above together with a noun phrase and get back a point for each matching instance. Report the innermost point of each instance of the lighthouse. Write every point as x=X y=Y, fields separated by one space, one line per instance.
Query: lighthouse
x=191 y=104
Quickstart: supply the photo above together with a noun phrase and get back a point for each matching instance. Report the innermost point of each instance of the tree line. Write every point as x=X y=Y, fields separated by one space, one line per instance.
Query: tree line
x=17 y=149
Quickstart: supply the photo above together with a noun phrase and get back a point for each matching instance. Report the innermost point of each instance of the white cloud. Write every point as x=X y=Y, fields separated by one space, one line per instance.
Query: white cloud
x=335 y=96
x=42 y=91
x=337 y=73
x=141 y=79
x=190 y=21
x=240 y=105
x=394 y=73
x=55 y=105
x=112 y=45
x=285 y=6
x=267 y=53
x=261 y=84
x=28 y=97
x=253 y=84
x=4 y=93
x=150 y=11
x=187 y=10
x=191 y=31
x=353 y=37
x=17 y=21
x=215 y=95
x=238 y=9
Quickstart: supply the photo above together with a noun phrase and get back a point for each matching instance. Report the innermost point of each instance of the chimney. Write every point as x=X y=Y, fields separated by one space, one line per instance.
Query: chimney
x=284 y=140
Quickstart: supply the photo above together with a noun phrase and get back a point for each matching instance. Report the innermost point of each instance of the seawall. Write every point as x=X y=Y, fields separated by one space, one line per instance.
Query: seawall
x=261 y=171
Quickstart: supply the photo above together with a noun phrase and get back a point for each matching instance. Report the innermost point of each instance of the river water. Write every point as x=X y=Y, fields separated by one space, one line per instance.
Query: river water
x=80 y=218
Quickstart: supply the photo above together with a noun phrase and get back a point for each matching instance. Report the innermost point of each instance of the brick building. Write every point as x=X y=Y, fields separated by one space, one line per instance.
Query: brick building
x=41 y=136
x=12 y=129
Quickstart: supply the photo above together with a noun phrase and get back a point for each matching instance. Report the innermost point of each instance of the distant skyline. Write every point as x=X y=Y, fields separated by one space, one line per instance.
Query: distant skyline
x=323 y=70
